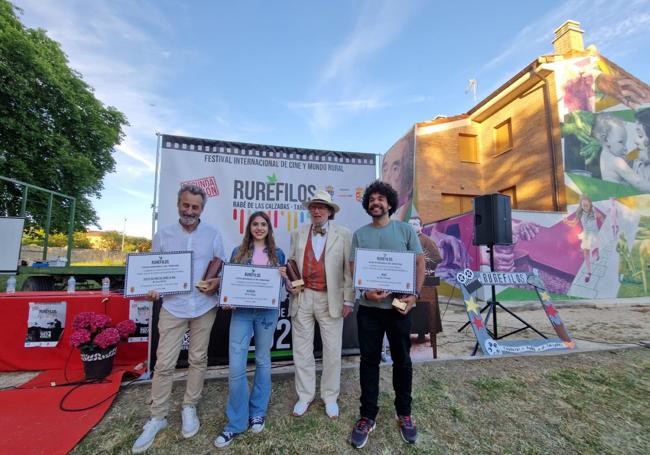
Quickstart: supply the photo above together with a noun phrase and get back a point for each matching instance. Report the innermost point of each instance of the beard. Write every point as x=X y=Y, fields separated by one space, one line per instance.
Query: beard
x=374 y=215
x=188 y=220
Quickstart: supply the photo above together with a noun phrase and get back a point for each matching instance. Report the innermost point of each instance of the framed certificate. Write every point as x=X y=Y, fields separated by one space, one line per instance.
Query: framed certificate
x=250 y=286
x=386 y=270
x=168 y=273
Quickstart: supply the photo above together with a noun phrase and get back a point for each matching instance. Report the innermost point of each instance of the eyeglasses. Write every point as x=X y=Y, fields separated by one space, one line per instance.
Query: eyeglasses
x=313 y=208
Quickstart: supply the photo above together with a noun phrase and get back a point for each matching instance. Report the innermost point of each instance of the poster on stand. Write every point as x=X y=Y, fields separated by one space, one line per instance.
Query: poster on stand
x=45 y=324
x=140 y=313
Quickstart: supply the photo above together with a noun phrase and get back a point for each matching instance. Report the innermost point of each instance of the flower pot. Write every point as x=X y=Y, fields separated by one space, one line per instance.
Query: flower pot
x=98 y=364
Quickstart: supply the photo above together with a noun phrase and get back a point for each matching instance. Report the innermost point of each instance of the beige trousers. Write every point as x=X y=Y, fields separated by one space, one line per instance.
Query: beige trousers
x=313 y=308
x=171 y=331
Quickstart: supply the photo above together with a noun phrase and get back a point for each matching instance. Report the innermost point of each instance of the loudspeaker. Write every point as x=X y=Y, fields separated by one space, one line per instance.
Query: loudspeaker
x=492 y=220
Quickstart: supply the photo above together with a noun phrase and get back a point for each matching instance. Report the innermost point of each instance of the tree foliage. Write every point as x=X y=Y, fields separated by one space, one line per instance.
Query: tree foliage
x=36 y=236
x=54 y=133
x=109 y=240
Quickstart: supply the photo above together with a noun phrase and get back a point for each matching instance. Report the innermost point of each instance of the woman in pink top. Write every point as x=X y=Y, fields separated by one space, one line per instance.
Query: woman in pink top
x=248 y=409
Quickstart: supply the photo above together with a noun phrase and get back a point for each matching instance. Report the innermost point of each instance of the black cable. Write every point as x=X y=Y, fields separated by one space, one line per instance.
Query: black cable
x=448 y=301
x=91 y=381
x=65 y=366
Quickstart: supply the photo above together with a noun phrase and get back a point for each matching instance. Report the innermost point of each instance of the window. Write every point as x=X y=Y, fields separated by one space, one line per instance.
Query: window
x=512 y=192
x=467 y=149
x=455 y=204
x=503 y=137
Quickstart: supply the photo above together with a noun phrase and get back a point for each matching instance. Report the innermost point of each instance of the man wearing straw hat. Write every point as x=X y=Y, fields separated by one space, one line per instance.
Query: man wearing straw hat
x=321 y=251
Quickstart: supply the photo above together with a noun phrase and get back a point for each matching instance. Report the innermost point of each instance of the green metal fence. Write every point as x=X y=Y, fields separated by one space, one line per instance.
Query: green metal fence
x=26 y=187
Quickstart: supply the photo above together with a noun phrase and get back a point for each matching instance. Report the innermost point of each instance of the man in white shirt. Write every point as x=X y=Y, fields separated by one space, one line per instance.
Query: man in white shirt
x=196 y=311
x=321 y=251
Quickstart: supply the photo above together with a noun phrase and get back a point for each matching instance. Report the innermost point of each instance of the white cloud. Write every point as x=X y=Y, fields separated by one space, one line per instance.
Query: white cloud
x=131 y=149
x=115 y=46
x=613 y=33
x=119 y=59
x=609 y=24
x=323 y=115
x=380 y=23
x=138 y=194
x=340 y=92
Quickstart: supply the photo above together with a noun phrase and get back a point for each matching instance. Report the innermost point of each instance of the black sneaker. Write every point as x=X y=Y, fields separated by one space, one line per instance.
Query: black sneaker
x=360 y=432
x=407 y=429
x=256 y=424
x=224 y=439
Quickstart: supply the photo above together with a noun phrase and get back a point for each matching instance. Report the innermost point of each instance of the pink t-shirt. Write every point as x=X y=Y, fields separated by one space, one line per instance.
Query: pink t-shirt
x=259 y=256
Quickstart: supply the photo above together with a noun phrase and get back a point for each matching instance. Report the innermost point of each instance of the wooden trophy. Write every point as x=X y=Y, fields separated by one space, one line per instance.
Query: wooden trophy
x=294 y=275
x=212 y=271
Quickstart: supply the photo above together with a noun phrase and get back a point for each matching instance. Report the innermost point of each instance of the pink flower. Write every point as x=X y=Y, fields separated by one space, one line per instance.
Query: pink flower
x=126 y=328
x=79 y=337
x=107 y=337
x=82 y=320
x=99 y=321
x=93 y=331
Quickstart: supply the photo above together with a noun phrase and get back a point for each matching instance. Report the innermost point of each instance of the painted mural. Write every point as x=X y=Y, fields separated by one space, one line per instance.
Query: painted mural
x=397 y=169
x=601 y=247
x=606 y=148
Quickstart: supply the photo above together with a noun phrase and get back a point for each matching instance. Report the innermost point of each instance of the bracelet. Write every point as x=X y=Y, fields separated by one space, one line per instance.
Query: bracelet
x=364 y=296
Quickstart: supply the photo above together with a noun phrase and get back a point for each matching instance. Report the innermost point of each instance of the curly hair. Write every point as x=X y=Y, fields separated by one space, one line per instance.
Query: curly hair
x=385 y=190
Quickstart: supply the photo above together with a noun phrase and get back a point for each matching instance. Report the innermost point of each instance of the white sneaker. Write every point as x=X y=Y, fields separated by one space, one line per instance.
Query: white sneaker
x=151 y=429
x=191 y=423
x=332 y=410
x=300 y=408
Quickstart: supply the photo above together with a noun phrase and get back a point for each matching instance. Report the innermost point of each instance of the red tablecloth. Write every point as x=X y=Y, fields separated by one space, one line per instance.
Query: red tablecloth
x=14 y=310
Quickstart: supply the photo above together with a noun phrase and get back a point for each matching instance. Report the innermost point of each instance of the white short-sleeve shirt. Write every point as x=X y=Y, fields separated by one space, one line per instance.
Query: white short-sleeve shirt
x=205 y=242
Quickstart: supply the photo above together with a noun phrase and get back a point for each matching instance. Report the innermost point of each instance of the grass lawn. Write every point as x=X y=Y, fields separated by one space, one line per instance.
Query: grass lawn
x=591 y=403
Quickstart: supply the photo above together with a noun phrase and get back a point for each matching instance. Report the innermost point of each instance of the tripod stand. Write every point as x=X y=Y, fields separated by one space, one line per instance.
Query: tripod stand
x=491 y=308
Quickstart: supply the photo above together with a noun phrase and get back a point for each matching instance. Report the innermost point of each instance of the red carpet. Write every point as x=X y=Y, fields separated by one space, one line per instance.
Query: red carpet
x=32 y=423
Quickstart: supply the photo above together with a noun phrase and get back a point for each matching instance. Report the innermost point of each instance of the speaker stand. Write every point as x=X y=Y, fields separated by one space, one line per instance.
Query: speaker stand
x=491 y=308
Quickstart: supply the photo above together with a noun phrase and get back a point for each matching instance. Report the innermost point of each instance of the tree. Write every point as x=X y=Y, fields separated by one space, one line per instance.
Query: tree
x=111 y=240
x=36 y=236
x=54 y=133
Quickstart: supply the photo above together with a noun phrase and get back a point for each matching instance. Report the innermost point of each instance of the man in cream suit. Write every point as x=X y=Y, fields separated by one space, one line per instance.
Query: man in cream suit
x=321 y=251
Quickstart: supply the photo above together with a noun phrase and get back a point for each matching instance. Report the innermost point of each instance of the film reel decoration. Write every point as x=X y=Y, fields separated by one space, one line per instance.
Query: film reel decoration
x=465 y=276
x=470 y=281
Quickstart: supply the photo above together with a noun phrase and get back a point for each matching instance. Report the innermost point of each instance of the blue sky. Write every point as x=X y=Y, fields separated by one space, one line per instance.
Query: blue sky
x=337 y=74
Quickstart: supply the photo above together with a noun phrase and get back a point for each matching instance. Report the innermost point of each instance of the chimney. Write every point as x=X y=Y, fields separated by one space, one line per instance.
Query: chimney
x=568 y=38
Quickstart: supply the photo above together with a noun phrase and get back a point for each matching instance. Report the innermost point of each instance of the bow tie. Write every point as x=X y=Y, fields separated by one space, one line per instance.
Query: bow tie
x=318 y=230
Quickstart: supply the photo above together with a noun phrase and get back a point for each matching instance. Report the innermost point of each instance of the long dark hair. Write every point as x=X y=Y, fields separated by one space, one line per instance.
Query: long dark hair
x=246 y=249
x=591 y=213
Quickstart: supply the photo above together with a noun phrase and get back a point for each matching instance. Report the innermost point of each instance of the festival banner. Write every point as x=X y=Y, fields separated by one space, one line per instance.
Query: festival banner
x=241 y=178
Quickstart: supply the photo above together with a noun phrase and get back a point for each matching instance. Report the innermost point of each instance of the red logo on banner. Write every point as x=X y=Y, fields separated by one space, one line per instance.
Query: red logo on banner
x=209 y=185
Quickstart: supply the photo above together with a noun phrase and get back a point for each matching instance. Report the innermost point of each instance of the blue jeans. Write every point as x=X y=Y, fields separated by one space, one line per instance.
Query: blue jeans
x=245 y=323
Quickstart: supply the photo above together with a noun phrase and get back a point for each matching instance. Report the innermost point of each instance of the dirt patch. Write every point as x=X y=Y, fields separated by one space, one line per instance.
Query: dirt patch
x=592 y=326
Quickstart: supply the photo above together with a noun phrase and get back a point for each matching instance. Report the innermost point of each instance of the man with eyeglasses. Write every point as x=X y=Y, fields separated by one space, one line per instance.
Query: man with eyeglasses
x=321 y=251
